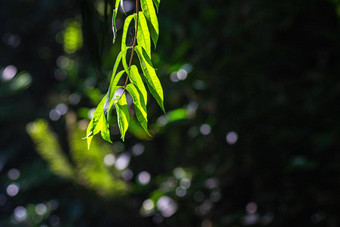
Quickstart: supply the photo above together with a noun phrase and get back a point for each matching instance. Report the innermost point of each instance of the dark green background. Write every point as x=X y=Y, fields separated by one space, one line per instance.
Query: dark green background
x=267 y=70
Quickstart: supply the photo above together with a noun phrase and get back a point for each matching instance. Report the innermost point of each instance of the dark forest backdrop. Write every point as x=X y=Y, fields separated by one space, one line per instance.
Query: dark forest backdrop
x=251 y=134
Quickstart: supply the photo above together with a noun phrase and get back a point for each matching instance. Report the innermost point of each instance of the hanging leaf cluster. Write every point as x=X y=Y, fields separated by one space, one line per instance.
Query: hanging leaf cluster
x=146 y=30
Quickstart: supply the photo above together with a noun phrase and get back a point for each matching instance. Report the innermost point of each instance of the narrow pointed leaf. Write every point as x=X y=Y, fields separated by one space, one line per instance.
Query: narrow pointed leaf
x=150 y=14
x=136 y=79
x=140 y=108
x=143 y=34
x=123 y=115
x=152 y=80
x=114 y=15
x=156 y=2
x=115 y=97
x=125 y=65
x=113 y=83
x=111 y=92
x=125 y=30
x=117 y=4
x=89 y=134
x=114 y=28
x=97 y=123
x=105 y=132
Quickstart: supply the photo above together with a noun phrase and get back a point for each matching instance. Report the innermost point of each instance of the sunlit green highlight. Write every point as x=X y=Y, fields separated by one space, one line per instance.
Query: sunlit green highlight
x=73 y=38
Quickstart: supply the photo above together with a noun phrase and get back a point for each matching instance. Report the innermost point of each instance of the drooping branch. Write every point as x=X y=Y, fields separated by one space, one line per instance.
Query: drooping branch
x=133 y=47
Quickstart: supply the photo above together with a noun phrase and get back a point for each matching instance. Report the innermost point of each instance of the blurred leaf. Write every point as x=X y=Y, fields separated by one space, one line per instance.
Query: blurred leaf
x=20 y=82
x=176 y=115
x=73 y=37
x=137 y=130
x=49 y=148
x=89 y=168
x=95 y=95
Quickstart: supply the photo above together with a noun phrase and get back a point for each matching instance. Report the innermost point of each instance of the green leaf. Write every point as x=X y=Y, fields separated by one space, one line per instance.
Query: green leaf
x=143 y=34
x=152 y=80
x=140 y=108
x=117 y=4
x=113 y=84
x=136 y=129
x=105 y=132
x=114 y=15
x=112 y=89
x=98 y=123
x=114 y=28
x=123 y=115
x=156 y=2
x=136 y=79
x=89 y=133
x=151 y=16
x=125 y=65
x=125 y=30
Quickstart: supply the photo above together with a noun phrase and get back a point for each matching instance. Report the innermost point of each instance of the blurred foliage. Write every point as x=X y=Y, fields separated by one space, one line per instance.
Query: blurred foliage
x=73 y=39
x=89 y=168
x=251 y=136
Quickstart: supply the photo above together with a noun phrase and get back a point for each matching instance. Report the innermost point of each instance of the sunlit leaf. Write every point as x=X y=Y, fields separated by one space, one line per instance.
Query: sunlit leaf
x=117 y=4
x=140 y=108
x=150 y=14
x=143 y=34
x=152 y=80
x=147 y=26
x=125 y=65
x=125 y=30
x=89 y=133
x=97 y=123
x=136 y=79
x=112 y=90
x=123 y=115
x=113 y=83
x=123 y=46
x=105 y=132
